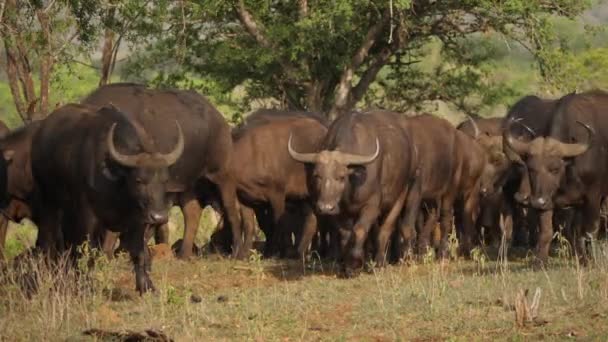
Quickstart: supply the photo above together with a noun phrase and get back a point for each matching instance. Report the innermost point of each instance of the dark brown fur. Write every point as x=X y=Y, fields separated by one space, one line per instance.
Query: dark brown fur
x=207 y=153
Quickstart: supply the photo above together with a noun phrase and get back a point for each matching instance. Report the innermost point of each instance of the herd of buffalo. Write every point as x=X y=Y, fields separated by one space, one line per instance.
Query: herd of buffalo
x=374 y=185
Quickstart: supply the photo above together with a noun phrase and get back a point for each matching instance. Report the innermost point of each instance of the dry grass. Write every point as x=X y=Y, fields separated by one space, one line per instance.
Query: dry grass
x=268 y=300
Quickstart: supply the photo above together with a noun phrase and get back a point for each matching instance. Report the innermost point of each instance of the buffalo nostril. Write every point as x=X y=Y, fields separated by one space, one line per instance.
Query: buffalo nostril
x=326 y=208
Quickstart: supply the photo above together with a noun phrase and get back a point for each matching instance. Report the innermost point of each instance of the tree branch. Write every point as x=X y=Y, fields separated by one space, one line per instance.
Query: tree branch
x=250 y=25
x=13 y=81
x=343 y=90
x=256 y=31
x=303 y=8
x=46 y=64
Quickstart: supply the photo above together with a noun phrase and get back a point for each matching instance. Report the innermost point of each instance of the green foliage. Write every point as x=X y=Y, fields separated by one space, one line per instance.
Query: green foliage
x=291 y=53
x=475 y=55
x=70 y=82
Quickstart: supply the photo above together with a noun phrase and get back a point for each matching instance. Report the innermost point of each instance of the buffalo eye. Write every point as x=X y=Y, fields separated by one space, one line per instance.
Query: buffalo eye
x=139 y=180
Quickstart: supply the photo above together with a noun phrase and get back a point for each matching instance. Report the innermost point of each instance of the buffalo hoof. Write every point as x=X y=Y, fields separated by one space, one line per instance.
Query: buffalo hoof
x=243 y=254
x=351 y=272
x=180 y=252
x=145 y=285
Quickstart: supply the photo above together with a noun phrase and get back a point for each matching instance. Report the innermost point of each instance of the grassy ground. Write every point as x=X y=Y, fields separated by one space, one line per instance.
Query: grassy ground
x=269 y=300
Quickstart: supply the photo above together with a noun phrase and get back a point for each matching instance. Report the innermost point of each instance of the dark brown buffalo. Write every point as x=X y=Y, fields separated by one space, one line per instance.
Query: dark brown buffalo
x=95 y=167
x=268 y=177
x=488 y=133
x=449 y=168
x=529 y=117
x=566 y=167
x=207 y=153
x=363 y=173
x=497 y=180
x=20 y=183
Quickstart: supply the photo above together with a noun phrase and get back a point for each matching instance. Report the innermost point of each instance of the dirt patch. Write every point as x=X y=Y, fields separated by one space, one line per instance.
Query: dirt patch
x=161 y=251
x=107 y=316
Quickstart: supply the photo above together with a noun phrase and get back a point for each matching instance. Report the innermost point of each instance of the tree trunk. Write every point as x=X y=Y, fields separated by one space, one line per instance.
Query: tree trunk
x=314 y=98
x=342 y=101
x=107 y=57
x=46 y=66
x=13 y=82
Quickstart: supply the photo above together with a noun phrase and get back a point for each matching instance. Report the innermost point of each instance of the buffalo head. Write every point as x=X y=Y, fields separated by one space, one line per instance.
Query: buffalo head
x=497 y=165
x=333 y=173
x=145 y=174
x=546 y=159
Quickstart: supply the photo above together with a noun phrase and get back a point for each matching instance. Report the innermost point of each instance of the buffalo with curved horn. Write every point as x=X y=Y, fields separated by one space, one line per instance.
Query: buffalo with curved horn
x=93 y=172
x=567 y=165
x=353 y=183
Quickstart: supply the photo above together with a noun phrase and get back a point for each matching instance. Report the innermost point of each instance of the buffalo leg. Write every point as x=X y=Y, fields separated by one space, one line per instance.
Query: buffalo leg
x=408 y=224
x=264 y=217
x=231 y=208
x=433 y=222
x=309 y=230
x=469 y=216
x=3 y=230
x=388 y=228
x=506 y=225
x=589 y=227
x=140 y=257
x=191 y=208
x=50 y=238
x=248 y=224
x=277 y=203
x=355 y=254
x=446 y=223
x=545 y=236
x=109 y=243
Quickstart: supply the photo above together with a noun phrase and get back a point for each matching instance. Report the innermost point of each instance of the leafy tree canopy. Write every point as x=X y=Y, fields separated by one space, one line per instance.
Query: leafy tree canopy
x=324 y=55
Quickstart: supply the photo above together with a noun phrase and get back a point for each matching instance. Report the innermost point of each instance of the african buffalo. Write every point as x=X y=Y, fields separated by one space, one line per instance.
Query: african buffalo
x=532 y=117
x=20 y=183
x=362 y=172
x=96 y=167
x=268 y=178
x=496 y=204
x=207 y=153
x=449 y=167
x=566 y=166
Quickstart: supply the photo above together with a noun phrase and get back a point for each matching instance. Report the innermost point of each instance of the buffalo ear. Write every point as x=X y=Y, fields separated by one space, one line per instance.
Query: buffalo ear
x=8 y=155
x=357 y=174
x=112 y=174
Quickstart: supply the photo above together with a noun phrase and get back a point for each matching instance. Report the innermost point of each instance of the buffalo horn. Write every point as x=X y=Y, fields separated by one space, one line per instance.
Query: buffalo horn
x=573 y=150
x=355 y=159
x=124 y=159
x=171 y=157
x=475 y=127
x=301 y=157
x=516 y=145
